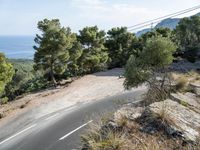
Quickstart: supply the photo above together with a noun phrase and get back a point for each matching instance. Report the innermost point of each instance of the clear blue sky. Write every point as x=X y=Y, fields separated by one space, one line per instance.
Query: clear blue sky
x=20 y=17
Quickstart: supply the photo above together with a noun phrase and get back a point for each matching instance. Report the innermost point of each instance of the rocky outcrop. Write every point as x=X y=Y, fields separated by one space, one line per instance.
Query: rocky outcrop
x=188 y=99
x=196 y=88
x=177 y=118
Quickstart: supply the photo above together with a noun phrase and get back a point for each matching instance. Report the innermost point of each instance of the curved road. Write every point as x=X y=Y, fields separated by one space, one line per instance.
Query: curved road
x=61 y=130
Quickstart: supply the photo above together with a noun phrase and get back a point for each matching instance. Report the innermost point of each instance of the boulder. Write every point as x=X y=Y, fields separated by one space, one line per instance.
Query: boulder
x=188 y=100
x=178 y=118
x=129 y=112
x=195 y=87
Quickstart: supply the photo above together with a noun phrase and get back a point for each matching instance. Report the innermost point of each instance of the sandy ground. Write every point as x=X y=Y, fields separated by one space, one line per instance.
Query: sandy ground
x=88 y=88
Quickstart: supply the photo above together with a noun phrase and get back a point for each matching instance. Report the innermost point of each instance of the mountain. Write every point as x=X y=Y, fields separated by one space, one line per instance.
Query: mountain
x=139 y=33
x=167 y=23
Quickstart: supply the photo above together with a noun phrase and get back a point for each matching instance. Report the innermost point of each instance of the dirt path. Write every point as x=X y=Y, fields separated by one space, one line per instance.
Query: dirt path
x=88 y=88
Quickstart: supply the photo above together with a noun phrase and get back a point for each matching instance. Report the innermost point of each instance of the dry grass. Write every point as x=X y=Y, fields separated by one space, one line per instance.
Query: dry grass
x=182 y=80
x=130 y=137
x=96 y=139
x=122 y=121
x=191 y=76
x=181 y=84
x=156 y=94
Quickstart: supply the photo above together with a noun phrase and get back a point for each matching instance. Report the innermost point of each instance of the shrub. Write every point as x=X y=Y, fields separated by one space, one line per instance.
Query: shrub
x=6 y=73
x=1 y=115
x=4 y=100
x=191 y=59
x=36 y=84
x=23 y=73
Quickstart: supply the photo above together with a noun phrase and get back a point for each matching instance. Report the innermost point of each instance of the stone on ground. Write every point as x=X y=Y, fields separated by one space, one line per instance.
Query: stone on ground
x=129 y=112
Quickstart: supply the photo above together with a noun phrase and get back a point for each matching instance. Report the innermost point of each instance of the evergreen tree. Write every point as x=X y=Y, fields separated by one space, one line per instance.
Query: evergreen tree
x=94 y=55
x=188 y=37
x=52 y=49
x=164 y=32
x=121 y=44
x=75 y=53
x=156 y=55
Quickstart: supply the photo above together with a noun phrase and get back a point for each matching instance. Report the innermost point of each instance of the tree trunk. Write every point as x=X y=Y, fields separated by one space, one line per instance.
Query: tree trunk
x=52 y=77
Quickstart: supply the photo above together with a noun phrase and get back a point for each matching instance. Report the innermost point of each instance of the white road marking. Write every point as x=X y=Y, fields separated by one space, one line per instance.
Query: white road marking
x=137 y=101
x=87 y=102
x=65 y=136
x=51 y=117
x=71 y=108
x=17 y=134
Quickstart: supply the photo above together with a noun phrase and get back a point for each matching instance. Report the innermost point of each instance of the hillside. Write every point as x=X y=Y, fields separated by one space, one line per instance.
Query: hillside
x=169 y=124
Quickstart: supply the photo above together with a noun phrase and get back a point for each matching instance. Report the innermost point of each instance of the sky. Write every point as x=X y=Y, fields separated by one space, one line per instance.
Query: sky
x=20 y=17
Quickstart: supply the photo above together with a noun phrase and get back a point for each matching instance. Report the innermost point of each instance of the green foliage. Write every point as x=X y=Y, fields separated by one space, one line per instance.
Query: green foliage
x=135 y=73
x=158 y=52
x=121 y=44
x=156 y=55
x=52 y=50
x=3 y=101
x=24 y=80
x=164 y=32
x=188 y=36
x=6 y=72
x=35 y=84
x=75 y=53
x=23 y=73
x=94 y=55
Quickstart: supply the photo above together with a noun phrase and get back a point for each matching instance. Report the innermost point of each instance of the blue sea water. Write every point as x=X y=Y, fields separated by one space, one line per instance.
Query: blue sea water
x=17 y=46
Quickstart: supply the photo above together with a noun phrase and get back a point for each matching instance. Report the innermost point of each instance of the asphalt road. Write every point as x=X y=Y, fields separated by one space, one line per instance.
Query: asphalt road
x=61 y=130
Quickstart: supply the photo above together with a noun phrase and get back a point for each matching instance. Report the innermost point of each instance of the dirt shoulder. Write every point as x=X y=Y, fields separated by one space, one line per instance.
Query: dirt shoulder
x=88 y=88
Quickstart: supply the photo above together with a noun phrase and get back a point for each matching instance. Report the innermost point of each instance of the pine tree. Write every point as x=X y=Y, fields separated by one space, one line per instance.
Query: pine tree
x=94 y=55
x=120 y=44
x=52 y=48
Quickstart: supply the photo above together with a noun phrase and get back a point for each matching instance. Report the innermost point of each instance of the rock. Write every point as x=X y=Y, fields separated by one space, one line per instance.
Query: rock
x=149 y=129
x=188 y=100
x=130 y=113
x=177 y=118
x=195 y=87
x=111 y=125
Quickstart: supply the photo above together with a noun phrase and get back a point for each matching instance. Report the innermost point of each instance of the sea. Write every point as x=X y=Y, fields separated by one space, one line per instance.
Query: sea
x=17 y=47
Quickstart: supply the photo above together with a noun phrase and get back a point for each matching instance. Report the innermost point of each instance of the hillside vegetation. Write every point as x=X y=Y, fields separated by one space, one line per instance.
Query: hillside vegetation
x=61 y=54
x=169 y=115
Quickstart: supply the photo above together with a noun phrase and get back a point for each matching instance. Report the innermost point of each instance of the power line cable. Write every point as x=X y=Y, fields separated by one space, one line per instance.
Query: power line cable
x=170 y=15
x=157 y=20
